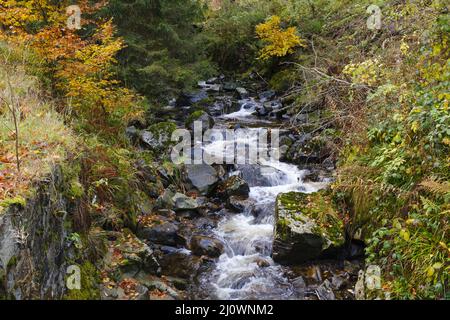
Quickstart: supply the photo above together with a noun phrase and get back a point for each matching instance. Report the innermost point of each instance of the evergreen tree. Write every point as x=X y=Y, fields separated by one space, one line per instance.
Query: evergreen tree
x=163 y=52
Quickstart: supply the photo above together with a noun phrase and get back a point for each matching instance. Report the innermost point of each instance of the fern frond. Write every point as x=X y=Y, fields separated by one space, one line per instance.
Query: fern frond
x=436 y=187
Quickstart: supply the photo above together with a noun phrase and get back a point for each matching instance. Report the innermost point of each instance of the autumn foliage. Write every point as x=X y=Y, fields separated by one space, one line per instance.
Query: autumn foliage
x=279 y=42
x=78 y=64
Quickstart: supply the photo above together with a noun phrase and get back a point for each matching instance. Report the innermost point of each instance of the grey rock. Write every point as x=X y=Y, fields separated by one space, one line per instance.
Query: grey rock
x=234 y=186
x=155 y=140
x=155 y=283
x=242 y=92
x=183 y=202
x=203 y=245
x=266 y=95
x=214 y=88
x=132 y=133
x=141 y=293
x=202 y=176
x=260 y=110
x=237 y=204
x=34 y=237
x=299 y=287
x=338 y=282
x=108 y=293
x=163 y=232
x=259 y=175
x=180 y=264
x=165 y=201
x=210 y=87
x=230 y=86
x=214 y=80
x=188 y=99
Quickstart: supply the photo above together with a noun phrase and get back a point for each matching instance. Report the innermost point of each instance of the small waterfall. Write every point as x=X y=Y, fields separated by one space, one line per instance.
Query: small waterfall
x=245 y=270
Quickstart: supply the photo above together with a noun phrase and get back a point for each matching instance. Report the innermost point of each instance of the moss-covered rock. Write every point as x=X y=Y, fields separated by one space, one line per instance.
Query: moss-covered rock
x=90 y=280
x=18 y=201
x=306 y=226
x=158 y=137
x=234 y=186
x=206 y=120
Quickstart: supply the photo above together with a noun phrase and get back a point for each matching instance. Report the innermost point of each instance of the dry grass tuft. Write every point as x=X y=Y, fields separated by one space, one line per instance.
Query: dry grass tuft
x=43 y=138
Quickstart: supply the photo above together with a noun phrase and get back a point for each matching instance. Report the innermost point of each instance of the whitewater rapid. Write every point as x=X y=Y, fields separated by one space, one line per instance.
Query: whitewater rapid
x=246 y=270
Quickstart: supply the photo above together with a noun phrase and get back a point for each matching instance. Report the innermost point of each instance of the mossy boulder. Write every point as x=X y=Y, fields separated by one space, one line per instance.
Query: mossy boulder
x=203 y=245
x=307 y=226
x=206 y=120
x=183 y=202
x=158 y=137
x=233 y=186
x=89 y=288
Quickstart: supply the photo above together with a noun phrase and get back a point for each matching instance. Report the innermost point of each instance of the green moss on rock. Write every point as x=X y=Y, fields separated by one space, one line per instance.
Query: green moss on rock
x=18 y=200
x=306 y=225
x=90 y=280
x=162 y=129
x=193 y=116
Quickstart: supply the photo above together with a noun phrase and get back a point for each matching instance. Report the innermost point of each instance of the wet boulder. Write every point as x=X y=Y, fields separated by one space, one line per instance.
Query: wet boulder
x=262 y=176
x=271 y=106
x=158 y=137
x=160 y=230
x=261 y=111
x=206 y=246
x=266 y=95
x=242 y=93
x=203 y=177
x=215 y=80
x=165 y=201
x=214 y=88
x=306 y=227
x=230 y=86
x=233 y=186
x=210 y=87
x=285 y=143
x=238 y=204
x=308 y=149
x=180 y=264
x=183 y=202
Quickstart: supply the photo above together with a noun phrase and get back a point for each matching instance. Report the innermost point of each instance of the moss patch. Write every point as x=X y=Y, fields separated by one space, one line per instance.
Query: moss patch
x=317 y=207
x=18 y=200
x=90 y=279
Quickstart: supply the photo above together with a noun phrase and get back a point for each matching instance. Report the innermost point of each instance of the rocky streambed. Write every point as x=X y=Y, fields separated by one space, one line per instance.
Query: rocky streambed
x=249 y=231
x=263 y=230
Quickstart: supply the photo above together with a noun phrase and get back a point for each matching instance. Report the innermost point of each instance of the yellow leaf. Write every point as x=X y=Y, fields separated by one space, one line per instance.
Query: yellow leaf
x=405 y=234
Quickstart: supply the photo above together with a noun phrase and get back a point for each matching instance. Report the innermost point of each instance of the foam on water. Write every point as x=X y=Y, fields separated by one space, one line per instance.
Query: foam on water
x=248 y=106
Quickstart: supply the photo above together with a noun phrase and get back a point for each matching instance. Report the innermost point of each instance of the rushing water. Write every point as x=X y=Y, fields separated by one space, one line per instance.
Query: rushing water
x=245 y=270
